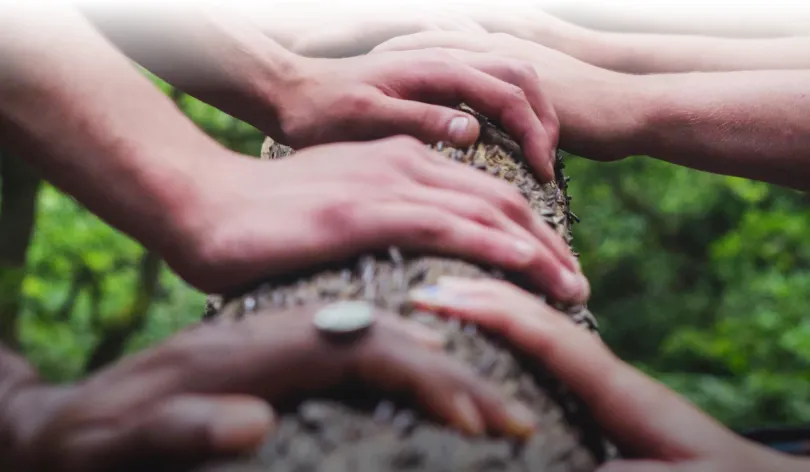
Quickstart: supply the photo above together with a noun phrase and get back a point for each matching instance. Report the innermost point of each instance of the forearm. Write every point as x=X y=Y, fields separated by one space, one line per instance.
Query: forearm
x=325 y=28
x=654 y=53
x=204 y=50
x=95 y=127
x=747 y=124
x=729 y=19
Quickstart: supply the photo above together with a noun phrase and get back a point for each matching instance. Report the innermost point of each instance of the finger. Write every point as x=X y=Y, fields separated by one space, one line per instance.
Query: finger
x=467 y=180
x=639 y=412
x=422 y=334
x=552 y=271
x=186 y=429
x=427 y=228
x=523 y=75
x=424 y=228
x=426 y=122
x=269 y=357
x=434 y=39
x=442 y=386
x=468 y=48
x=508 y=104
x=468 y=206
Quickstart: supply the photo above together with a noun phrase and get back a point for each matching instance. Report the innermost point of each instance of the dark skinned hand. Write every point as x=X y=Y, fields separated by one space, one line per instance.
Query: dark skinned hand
x=204 y=393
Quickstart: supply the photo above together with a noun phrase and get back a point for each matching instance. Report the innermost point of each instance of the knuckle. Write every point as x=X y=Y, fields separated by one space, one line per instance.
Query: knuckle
x=439 y=54
x=431 y=229
x=401 y=147
x=408 y=154
x=406 y=141
x=407 y=146
x=516 y=96
x=501 y=36
x=340 y=216
x=358 y=102
x=485 y=213
x=524 y=70
x=440 y=61
x=513 y=202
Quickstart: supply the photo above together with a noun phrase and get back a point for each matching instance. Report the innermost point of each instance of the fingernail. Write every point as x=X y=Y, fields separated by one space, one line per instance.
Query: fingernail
x=586 y=288
x=458 y=128
x=574 y=287
x=433 y=295
x=424 y=335
x=467 y=416
x=240 y=426
x=521 y=420
x=524 y=252
x=576 y=263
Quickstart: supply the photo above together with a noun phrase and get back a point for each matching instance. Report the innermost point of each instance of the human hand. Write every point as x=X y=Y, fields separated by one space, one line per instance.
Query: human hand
x=338 y=30
x=380 y=95
x=203 y=393
x=594 y=105
x=331 y=202
x=660 y=429
x=529 y=22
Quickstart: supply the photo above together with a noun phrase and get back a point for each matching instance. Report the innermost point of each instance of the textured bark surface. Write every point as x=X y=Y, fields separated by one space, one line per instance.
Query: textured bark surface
x=360 y=431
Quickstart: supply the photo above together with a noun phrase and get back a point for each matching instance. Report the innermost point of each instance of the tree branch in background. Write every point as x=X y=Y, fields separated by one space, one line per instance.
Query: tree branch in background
x=85 y=278
x=20 y=187
x=115 y=334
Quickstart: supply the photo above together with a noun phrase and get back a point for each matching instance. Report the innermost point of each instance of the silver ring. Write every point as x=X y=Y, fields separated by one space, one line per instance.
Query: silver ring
x=345 y=317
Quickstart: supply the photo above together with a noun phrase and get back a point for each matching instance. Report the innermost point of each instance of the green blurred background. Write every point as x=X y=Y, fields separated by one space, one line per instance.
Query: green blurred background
x=702 y=281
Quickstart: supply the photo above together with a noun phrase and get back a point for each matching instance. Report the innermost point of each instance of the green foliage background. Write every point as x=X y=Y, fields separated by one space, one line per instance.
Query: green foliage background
x=703 y=281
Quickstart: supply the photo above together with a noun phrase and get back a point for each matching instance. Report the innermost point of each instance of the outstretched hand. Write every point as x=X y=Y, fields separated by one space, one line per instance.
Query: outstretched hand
x=203 y=393
x=386 y=94
x=590 y=102
x=649 y=421
x=331 y=202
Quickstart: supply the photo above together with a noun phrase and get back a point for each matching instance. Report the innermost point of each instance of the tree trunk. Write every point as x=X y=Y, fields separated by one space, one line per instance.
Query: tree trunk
x=363 y=432
x=18 y=207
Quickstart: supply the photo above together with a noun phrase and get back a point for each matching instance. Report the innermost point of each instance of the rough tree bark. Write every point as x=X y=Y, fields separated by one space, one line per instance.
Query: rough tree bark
x=354 y=431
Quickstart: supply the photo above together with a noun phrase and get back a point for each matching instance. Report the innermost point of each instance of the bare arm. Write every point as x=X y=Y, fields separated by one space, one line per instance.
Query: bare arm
x=204 y=50
x=749 y=124
x=641 y=53
x=77 y=109
x=729 y=18
x=666 y=38
x=94 y=126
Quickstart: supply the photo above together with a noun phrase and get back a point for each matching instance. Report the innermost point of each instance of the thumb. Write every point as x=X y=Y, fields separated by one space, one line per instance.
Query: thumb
x=426 y=122
x=188 y=428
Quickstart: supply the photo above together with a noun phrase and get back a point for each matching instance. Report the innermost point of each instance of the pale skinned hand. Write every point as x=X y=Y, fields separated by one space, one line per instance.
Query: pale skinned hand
x=385 y=94
x=529 y=22
x=648 y=421
x=204 y=393
x=340 y=200
x=342 y=33
x=588 y=100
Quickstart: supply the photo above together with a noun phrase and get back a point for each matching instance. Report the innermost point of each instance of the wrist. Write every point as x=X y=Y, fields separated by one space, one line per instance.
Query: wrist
x=602 y=49
x=255 y=96
x=200 y=226
x=609 y=120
